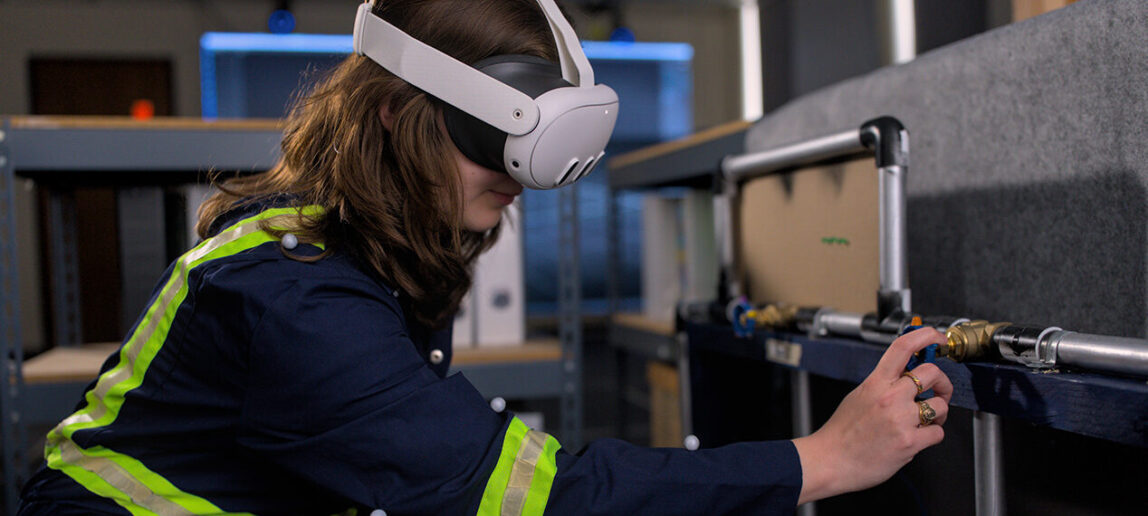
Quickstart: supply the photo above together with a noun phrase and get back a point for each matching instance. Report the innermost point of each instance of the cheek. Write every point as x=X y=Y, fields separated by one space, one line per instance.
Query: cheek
x=471 y=179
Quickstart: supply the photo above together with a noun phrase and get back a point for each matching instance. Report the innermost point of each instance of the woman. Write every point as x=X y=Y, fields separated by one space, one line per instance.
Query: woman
x=294 y=362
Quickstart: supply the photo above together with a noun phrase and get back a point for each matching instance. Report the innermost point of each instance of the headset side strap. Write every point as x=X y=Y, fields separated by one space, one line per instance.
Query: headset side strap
x=443 y=76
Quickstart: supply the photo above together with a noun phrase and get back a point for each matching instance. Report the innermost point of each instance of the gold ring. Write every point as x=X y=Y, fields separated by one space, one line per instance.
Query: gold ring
x=926 y=413
x=917 y=381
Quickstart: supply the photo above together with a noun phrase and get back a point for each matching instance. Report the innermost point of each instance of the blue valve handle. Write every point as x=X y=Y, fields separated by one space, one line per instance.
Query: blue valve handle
x=742 y=326
x=925 y=356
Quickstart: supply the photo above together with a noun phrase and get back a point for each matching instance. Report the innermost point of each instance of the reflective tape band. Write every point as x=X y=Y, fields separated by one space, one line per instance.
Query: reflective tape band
x=543 y=478
x=521 y=475
x=117 y=476
x=521 y=481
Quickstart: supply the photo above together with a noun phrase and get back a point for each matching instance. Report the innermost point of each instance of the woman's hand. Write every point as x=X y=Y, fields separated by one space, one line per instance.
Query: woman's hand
x=877 y=429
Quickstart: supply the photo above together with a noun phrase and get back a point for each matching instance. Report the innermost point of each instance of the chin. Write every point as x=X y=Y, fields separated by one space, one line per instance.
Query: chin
x=483 y=224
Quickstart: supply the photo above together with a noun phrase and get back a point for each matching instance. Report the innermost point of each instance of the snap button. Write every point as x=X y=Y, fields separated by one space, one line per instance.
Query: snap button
x=289 y=241
x=436 y=356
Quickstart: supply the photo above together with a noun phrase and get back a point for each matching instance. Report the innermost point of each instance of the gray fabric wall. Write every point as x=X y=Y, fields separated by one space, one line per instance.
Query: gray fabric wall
x=1028 y=176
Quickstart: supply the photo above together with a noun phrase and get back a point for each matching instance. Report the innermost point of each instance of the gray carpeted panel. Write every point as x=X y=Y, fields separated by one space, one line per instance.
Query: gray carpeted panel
x=1029 y=166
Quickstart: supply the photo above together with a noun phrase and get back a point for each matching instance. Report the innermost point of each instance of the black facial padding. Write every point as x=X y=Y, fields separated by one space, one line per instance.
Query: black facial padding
x=482 y=142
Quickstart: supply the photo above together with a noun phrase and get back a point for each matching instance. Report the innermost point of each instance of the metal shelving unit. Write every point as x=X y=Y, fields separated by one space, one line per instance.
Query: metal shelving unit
x=11 y=370
x=692 y=162
x=74 y=151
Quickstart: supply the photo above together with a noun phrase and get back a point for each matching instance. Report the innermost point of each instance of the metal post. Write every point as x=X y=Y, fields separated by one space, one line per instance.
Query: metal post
x=66 y=315
x=988 y=464
x=802 y=419
x=570 y=316
x=11 y=370
x=899 y=31
x=684 y=392
x=613 y=251
x=613 y=292
x=724 y=217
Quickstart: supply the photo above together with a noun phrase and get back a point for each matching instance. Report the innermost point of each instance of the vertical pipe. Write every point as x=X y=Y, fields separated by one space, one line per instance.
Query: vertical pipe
x=802 y=419
x=684 y=392
x=752 y=90
x=988 y=464
x=900 y=38
x=894 y=270
x=724 y=217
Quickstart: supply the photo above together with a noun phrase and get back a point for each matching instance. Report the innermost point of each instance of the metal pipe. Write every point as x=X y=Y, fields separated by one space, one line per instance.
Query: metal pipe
x=724 y=204
x=988 y=464
x=841 y=323
x=802 y=418
x=894 y=270
x=899 y=31
x=1099 y=352
x=684 y=391
x=746 y=166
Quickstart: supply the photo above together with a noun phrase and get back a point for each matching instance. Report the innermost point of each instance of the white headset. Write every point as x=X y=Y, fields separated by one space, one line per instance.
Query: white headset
x=544 y=124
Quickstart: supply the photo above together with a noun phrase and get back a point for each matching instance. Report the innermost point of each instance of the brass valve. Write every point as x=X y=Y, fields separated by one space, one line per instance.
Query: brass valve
x=970 y=340
x=774 y=316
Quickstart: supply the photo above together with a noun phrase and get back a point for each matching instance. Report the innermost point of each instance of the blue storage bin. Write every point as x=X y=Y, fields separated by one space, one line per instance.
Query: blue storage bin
x=255 y=75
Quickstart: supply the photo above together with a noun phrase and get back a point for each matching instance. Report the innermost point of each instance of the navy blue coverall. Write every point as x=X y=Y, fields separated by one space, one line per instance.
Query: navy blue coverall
x=257 y=383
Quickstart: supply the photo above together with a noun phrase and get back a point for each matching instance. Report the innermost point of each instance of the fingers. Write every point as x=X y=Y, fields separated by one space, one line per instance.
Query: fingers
x=939 y=406
x=893 y=362
x=929 y=435
x=931 y=377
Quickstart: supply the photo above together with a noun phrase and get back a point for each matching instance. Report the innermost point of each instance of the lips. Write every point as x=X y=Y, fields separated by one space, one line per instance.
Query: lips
x=504 y=198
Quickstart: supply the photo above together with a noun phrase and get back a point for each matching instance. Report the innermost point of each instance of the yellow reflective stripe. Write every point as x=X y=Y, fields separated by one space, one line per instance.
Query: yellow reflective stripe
x=496 y=484
x=134 y=356
x=514 y=499
x=133 y=486
x=112 y=474
x=92 y=482
x=521 y=481
x=543 y=478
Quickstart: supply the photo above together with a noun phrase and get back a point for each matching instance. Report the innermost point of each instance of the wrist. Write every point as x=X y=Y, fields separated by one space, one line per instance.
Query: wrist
x=818 y=471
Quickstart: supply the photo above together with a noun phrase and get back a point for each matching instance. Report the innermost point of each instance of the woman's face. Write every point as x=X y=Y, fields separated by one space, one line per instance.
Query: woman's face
x=485 y=193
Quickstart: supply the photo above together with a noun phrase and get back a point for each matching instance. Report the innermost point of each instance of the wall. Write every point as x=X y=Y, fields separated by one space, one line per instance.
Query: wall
x=810 y=44
x=712 y=29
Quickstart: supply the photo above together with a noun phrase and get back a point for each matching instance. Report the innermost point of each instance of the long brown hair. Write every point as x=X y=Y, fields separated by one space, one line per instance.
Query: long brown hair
x=393 y=199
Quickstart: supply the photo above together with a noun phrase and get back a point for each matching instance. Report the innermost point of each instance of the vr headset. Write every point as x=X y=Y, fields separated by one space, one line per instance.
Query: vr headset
x=543 y=123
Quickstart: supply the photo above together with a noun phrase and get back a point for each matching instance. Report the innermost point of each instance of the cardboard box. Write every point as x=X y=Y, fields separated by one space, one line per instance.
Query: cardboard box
x=811 y=237
x=665 y=405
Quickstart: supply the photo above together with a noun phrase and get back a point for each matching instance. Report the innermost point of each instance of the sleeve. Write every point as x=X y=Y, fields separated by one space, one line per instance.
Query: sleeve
x=339 y=395
x=613 y=477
